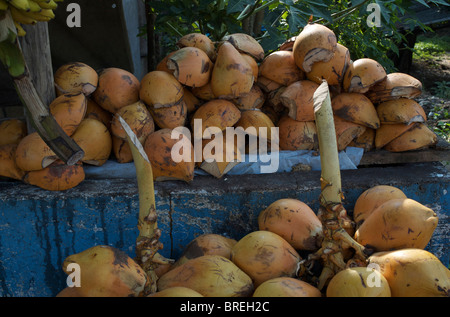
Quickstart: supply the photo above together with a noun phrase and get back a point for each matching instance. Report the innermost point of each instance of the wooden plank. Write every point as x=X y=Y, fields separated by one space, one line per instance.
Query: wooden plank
x=438 y=153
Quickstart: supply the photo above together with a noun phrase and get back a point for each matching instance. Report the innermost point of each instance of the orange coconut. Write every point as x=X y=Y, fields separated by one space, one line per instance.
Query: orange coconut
x=402 y=110
x=357 y=108
x=396 y=85
x=74 y=78
x=68 y=111
x=297 y=135
x=8 y=166
x=362 y=74
x=12 y=131
x=418 y=137
x=280 y=67
x=33 y=153
x=298 y=98
x=200 y=41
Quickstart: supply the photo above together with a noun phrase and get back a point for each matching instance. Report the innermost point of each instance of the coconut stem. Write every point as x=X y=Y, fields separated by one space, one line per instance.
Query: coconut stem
x=147 y=242
x=45 y=124
x=331 y=213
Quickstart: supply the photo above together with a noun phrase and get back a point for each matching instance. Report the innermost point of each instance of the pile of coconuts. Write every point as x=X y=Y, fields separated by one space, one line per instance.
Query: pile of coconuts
x=230 y=83
x=266 y=262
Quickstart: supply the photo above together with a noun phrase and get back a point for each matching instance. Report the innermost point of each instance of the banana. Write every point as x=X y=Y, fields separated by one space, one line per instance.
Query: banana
x=20 y=4
x=49 y=4
x=45 y=15
x=34 y=6
x=19 y=17
x=3 y=5
x=20 y=30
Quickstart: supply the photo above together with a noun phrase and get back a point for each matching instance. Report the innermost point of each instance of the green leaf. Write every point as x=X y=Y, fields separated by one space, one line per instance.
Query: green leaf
x=11 y=56
x=237 y=5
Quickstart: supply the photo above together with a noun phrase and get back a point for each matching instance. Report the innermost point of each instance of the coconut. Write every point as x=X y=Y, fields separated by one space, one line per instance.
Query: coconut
x=121 y=150
x=264 y=255
x=298 y=98
x=94 y=111
x=357 y=108
x=159 y=147
x=160 y=89
x=219 y=113
x=416 y=138
x=232 y=76
x=371 y=199
x=190 y=66
x=8 y=166
x=358 y=282
x=294 y=221
x=162 y=65
x=200 y=41
x=365 y=141
x=12 y=131
x=286 y=287
x=253 y=100
x=244 y=43
x=76 y=77
x=315 y=43
x=398 y=224
x=68 y=111
x=57 y=176
x=401 y=110
x=280 y=67
x=107 y=272
x=396 y=85
x=267 y=85
x=362 y=74
x=137 y=117
x=209 y=275
x=204 y=93
x=170 y=117
x=191 y=101
x=332 y=71
x=346 y=132
x=388 y=132
x=257 y=123
x=117 y=88
x=413 y=273
x=176 y=291
x=94 y=139
x=32 y=153
x=297 y=135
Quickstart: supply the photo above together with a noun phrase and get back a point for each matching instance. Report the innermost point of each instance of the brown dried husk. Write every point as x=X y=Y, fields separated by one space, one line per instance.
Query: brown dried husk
x=413 y=273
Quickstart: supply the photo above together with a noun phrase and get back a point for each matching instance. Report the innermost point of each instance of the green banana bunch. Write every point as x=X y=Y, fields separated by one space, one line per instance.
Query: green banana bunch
x=29 y=11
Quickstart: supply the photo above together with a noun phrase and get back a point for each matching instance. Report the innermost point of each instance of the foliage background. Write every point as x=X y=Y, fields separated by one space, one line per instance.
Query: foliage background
x=272 y=22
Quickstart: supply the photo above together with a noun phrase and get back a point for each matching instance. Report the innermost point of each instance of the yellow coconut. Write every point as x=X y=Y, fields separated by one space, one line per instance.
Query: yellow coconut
x=365 y=141
x=8 y=166
x=398 y=224
x=256 y=122
x=68 y=111
x=396 y=85
x=200 y=41
x=358 y=282
x=57 y=176
x=138 y=118
x=264 y=255
x=32 y=153
x=219 y=113
x=332 y=71
x=362 y=74
x=253 y=65
x=12 y=131
x=253 y=100
x=170 y=117
x=413 y=273
x=315 y=43
x=204 y=93
x=121 y=150
x=190 y=66
x=94 y=111
x=357 y=108
x=371 y=199
x=95 y=140
x=297 y=135
x=294 y=221
x=166 y=165
x=162 y=65
x=191 y=101
x=346 y=132
x=231 y=76
x=245 y=43
x=418 y=137
x=74 y=78
x=298 y=98
x=106 y=271
x=117 y=88
x=176 y=291
x=206 y=244
x=286 y=287
x=280 y=67
x=401 y=110
x=209 y=275
x=388 y=132
x=160 y=89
